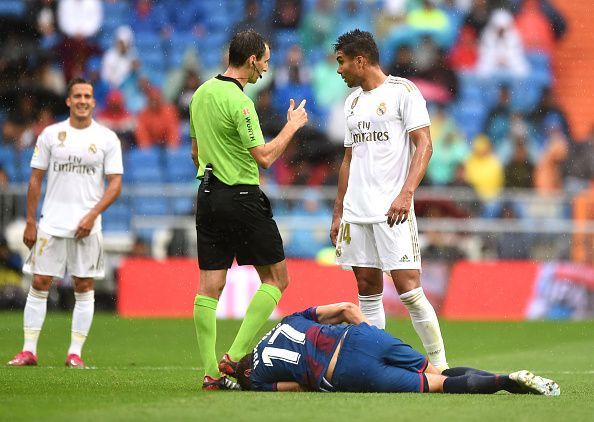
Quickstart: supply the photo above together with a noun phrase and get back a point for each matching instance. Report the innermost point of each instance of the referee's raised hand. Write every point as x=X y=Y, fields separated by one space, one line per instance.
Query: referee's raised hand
x=297 y=116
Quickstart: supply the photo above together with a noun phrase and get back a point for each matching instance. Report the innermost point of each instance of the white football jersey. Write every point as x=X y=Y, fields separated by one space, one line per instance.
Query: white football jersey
x=377 y=127
x=76 y=162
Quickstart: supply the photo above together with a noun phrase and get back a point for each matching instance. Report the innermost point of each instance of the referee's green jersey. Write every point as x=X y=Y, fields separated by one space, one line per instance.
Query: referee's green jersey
x=224 y=122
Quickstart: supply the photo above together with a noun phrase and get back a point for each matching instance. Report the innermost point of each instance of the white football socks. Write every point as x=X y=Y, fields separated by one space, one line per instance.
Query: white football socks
x=426 y=325
x=82 y=317
x=33 y=317
x=372 y=307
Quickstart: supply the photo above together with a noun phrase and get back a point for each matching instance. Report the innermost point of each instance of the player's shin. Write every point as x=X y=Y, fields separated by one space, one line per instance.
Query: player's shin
x=258 y=312
x=372 y=306
x=82 y=318
x=205 y=322
x=33 y=317
x=426 y=325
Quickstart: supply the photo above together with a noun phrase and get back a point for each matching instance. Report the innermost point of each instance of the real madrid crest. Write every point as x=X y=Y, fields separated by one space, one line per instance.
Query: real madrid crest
x=381 y=109
x=93 y=148
x=62 y=137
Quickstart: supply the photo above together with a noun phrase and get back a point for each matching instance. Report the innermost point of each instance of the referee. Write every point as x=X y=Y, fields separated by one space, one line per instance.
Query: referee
x=233 y=216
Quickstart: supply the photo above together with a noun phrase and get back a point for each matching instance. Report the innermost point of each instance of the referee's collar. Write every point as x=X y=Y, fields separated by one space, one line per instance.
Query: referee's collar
x=228 y=79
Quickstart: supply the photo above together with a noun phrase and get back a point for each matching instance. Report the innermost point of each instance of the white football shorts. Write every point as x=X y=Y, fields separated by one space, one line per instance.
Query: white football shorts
x=52 y=255
x=377 y=245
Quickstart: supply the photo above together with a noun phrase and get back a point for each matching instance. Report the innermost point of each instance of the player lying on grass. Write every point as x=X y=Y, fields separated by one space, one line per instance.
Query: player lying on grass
x=313 y=351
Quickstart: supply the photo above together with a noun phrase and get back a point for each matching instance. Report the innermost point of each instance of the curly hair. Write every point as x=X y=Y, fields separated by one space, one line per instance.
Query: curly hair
x=358 y=43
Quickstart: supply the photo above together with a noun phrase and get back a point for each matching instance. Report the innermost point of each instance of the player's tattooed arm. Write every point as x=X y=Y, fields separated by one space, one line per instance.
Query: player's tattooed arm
x=338 y=313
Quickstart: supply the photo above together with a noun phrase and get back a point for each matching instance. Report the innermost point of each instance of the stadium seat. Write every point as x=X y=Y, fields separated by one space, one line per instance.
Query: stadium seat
x=12 y=7
x=118 y=216
x=150 y=205
x=143 y=166
x=179 y=167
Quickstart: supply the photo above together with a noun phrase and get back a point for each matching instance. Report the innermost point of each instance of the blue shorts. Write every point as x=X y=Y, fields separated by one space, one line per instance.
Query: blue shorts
x=371 y=360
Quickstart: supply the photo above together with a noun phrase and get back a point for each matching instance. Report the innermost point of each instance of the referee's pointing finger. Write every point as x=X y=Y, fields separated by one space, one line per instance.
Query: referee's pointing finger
x=302 y=104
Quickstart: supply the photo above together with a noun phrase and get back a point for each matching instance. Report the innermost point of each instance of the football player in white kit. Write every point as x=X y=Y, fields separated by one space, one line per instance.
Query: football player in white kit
x=77 y=154
x=387 y=150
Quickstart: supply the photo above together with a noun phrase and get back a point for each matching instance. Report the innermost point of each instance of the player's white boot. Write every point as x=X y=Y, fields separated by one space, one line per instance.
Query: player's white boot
x=534 y=384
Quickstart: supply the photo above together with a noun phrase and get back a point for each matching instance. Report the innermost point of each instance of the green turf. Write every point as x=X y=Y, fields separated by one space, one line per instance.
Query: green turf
x=149 y=370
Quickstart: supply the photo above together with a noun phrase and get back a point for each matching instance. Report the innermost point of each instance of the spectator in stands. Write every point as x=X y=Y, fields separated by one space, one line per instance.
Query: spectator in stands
x=534 y=28
x=293 y=80
x=478 y=16
x=254 y=19
x=449 y=148
x=100 y=87
x=583 y=213
x=579 y=166
x=117 y=118
x=512 y=244
x=12 y=295
x=352 y=14
x=42 y=15
x=184 y=96
x=4 y=179
x=484 y=171
x=497 y=125
x=543 y=8
x=328 y=87
x=18 y=119
x=49 y=76
x=428 y=18
x=501 y=53
x=119 y=60
x=548 y=174
x=80 y=18
x=73 y=53
x=158 y=123
x=464 y=54
x=287 y=14
x=439 y=82
x=319 y=26
x=547 y=114
x=402 y=64
x=390 y=16
x=150 y=17
x=425 y=54
x=519 y=170
x=135 y=89
x=187 y=16
x=139 y=249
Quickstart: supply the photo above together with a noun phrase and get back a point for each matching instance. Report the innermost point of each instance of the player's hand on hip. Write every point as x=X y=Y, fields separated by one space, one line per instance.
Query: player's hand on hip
x=30 y=235
x=297 y=116
x=399 y=210
x=334 y=228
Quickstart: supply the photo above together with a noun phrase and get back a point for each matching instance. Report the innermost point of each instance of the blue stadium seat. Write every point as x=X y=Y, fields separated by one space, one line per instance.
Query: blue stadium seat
x=182 y=205
x=150 y=205
x=143 y=166
x=117 y=217
x=24 y=164
x=179 y=167
x=12 y=7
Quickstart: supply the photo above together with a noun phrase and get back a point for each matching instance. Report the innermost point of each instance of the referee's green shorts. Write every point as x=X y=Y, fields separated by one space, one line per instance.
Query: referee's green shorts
x=235 y=222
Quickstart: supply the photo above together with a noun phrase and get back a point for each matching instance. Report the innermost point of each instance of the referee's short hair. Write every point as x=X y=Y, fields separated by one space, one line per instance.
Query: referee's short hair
x=243 y=45
x=76 y=81
x=358 y=43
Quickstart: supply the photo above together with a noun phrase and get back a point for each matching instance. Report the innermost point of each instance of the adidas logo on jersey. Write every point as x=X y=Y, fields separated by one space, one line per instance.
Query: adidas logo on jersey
x=404 y=259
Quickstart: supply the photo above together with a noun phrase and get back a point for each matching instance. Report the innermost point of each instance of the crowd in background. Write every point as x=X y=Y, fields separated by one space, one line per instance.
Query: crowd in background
x=484 y=67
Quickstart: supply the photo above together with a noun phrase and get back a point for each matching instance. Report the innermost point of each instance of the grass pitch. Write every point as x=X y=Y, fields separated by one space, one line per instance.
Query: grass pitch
x=148 y=369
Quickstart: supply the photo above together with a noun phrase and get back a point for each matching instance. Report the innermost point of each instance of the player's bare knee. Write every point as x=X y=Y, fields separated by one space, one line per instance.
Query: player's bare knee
x=83 y=285
x=41 y=282
x=406 y=280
